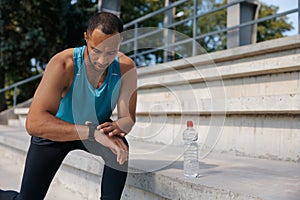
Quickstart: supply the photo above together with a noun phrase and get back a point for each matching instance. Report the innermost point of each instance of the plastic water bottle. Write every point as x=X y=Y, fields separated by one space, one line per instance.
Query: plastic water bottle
x=190 y=164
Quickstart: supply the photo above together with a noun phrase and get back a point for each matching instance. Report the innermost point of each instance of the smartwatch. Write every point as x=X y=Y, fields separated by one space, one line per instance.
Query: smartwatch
x=92 y=128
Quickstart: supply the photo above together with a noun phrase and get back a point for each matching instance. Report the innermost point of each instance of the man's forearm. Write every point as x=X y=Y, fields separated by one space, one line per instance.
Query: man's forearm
x=50 y=127
x=125 y=124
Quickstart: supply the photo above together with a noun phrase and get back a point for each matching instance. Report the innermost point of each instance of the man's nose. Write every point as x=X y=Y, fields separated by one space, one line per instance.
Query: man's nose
x=102 y=60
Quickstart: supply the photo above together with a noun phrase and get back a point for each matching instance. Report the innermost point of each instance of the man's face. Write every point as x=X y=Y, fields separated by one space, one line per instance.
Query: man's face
x=102 y=48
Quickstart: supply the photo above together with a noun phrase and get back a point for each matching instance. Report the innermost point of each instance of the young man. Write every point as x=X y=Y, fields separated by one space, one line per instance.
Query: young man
x=80 y=88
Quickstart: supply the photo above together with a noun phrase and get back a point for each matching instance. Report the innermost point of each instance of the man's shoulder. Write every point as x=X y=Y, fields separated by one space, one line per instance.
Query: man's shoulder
x=61 y=67
x=125 y=61
x=62 y=62
x=65 y=54
x=64 y=58
x=127 y=66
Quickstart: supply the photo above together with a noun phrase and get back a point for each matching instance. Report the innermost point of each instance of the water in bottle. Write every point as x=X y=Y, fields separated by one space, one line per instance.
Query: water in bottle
x=190 y=164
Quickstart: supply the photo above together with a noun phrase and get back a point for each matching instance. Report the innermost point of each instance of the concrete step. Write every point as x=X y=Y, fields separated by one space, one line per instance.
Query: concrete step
x=21 y=117
x=156 y=173
x=243 y=101
x=14 y=123
x=11 y=175
x=10 y=113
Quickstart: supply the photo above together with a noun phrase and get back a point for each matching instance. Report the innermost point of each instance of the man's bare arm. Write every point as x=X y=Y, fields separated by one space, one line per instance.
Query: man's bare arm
x=41 y=120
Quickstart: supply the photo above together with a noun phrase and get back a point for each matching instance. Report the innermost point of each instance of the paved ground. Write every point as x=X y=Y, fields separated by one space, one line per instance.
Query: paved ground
x=10 y=179
x=266 y=179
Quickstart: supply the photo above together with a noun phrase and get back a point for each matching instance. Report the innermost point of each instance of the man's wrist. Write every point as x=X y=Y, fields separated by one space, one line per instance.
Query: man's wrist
x=92 y=128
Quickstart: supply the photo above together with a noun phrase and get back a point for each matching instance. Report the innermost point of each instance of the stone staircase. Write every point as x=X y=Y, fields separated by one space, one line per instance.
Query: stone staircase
x=245 y=104
x=155 y=177
x=244 y=101
x=21 y=114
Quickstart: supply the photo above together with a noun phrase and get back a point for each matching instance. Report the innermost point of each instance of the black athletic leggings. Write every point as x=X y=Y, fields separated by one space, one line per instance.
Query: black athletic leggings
x=43 y=161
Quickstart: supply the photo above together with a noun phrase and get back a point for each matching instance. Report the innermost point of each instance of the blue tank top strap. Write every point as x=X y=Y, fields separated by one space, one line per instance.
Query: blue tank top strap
x=78 y=58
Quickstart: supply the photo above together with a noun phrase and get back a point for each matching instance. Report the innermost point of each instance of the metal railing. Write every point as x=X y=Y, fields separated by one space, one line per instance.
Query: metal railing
x=135 y=24
x=16 y=85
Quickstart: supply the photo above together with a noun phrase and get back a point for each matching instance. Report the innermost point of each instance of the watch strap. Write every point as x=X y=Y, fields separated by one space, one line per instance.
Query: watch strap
x=92 y=128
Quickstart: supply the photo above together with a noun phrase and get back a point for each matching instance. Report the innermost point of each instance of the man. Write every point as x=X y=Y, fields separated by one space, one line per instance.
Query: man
x=80 y=88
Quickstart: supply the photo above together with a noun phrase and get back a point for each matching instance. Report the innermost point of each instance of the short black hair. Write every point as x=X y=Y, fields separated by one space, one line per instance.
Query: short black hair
x=107 y=22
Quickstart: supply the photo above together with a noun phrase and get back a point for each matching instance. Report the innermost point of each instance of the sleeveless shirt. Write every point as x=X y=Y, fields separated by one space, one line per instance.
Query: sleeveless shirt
x=83 y=102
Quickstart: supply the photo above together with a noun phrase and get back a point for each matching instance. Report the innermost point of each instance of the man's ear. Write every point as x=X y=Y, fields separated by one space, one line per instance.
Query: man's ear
x=85 y=36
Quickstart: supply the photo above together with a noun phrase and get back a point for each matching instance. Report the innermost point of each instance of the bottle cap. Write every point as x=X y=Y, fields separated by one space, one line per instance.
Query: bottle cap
x=189 y=123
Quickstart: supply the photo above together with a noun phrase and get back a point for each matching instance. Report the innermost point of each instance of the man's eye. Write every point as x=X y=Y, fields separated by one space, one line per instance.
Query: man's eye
x=97 y=51
x=111 y=53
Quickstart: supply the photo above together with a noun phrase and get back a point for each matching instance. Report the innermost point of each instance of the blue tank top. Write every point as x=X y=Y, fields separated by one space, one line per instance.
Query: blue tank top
x=83 y=102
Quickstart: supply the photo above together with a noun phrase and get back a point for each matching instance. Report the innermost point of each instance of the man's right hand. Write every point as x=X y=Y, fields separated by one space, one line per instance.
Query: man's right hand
x=114 y=143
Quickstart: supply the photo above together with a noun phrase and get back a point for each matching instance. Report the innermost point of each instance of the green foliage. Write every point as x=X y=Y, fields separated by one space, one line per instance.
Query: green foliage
x=36 y=30
x=273 y=28
x=210 y=23
x=133 y=9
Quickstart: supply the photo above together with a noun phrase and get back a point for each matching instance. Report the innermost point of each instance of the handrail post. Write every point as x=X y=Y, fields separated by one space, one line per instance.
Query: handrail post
x=298 y=16
x=168 y=33
x=135 y=43
x=195 y=26
x=238 y=14
x=110 y=6
x=15 y=86
x=15 y=97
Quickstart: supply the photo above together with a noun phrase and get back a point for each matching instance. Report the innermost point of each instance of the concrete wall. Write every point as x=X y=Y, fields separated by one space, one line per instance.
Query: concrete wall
x=243 y=101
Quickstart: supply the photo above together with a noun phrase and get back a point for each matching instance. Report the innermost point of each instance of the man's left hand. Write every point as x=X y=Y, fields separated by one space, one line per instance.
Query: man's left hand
x=111 y=128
